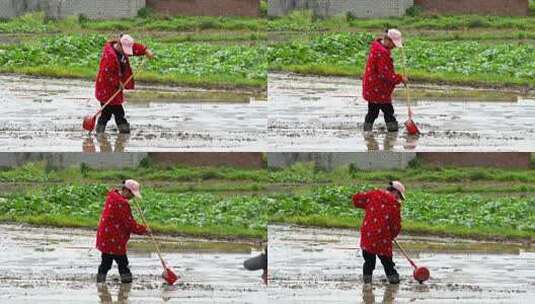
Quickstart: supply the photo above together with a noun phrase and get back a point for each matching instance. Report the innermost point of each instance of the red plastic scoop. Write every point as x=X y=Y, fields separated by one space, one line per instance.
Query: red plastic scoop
x=169 y=276
x=411 y=127
x=89 y=123
x=420 y=274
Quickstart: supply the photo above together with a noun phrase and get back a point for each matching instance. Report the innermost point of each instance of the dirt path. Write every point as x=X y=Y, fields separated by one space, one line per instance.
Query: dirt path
x=318 y=113
x=47 y=113
x=310 y=265
x=44 y=265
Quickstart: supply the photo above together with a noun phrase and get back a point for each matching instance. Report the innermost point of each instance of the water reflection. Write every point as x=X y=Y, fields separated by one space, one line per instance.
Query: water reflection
x=389 y=142
x=103 y=140
x=389 y=295
x=106 y=297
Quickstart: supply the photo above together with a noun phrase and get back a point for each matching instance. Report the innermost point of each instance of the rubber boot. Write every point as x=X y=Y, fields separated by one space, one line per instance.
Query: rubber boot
x=124 y=128
x=393 y=279
x=392 y=126
x=100 y=128
x=367 y=279
x=368 y=127
x=101 y=277
x=126 y=278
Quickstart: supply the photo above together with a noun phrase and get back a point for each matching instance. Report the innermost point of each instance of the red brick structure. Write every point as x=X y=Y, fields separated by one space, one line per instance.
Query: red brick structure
x=507 y=160
x=206 y=7
x=252 y=160
x=480 y=7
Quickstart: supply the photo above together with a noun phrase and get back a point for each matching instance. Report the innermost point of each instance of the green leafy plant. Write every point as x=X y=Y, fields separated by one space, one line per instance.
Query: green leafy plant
x=414 y=11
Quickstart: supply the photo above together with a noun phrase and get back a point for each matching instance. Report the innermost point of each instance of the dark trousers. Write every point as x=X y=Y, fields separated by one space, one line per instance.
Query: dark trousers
x=373 y=112
x=107 y=261
x=117 y=111
x=369 y=263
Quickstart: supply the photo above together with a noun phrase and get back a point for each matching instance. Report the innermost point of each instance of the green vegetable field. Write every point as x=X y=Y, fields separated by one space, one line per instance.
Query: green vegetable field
x=457 y=61
x=176 y=62
x=200 y=201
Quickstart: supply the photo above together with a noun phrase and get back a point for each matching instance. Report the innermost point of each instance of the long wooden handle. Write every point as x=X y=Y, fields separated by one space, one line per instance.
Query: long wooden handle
x=407 y=88
x=154 y=242
x=405 y=254
x=120 y=89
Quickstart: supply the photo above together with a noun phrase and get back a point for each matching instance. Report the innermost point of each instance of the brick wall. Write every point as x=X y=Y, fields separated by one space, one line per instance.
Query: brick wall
x=482 y=7
x=492 y=160
x=206 y=7
x=358 y=8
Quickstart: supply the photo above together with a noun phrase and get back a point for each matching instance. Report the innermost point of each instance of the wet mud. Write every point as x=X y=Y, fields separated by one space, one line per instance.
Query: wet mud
x=47 y=113
x=45 y=265
x=318 y=113
x=315 y=265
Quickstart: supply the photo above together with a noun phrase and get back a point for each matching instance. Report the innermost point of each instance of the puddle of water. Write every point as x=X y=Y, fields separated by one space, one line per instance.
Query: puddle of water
x=54 y=124
x=316 y=265
x=319 y=113
x=64 y=271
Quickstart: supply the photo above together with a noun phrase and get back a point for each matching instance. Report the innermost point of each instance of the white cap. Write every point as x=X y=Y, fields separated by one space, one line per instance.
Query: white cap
x=399 y=187
x=133 y=186
x=395 y=36
x=127 y=42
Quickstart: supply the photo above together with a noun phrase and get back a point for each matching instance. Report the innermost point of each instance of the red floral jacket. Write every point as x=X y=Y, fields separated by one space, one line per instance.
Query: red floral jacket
x=381 y=223
x=116 y=224
x=379 y=78
x=109 y=74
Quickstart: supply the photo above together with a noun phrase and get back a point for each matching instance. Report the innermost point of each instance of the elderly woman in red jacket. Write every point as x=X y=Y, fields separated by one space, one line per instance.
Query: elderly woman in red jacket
x=380 y=226
x=116 y=225
x=380 y=80
x=114 y=71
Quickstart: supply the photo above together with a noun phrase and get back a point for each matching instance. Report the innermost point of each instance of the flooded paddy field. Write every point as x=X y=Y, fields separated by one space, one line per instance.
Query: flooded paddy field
x=317 y=265
x=308 y=113
x=46 y=265
x=47 y=113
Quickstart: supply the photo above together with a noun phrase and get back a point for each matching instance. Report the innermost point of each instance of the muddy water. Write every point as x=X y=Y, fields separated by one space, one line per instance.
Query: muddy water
x=310 y=265
x=42 y=265
x=319 y=113
x=47 y=113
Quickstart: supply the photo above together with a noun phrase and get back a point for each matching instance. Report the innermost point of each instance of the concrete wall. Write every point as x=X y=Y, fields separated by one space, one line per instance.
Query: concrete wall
x=65 y=160
x=10 y=8
x=481 y=7
x=329 y=161
x=358 y=8
x=206 y=7
x=94 y=9
x=250 y=160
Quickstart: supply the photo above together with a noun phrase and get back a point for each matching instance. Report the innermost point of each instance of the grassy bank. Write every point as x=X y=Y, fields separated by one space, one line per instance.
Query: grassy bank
x=247 y=216
x=228 y=202
x=191 y=64
x=463 y=63
x=301 y=173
